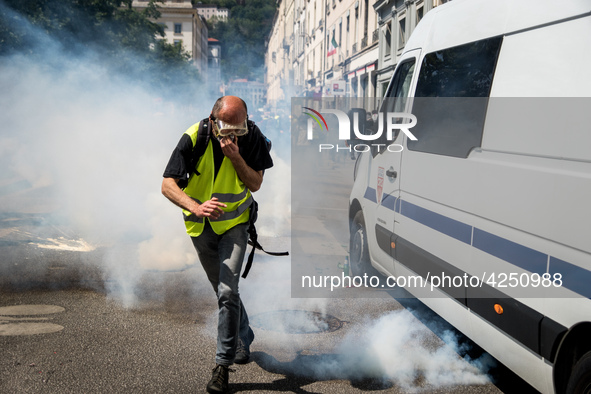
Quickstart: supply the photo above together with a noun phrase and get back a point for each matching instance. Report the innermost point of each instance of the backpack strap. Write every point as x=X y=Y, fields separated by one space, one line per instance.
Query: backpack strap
x=253 y=127
x=203 y=136
x=253 y=239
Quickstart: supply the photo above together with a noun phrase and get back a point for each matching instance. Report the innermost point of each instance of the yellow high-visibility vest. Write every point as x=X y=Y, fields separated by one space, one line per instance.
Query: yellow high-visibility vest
x=227 y=187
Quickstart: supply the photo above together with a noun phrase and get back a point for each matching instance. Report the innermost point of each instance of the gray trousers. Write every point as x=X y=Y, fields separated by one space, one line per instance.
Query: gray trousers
x=221 y=257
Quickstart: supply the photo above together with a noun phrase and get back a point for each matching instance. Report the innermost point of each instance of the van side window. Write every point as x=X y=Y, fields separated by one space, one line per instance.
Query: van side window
x=461 y=79
x=396 y=97
x=400 y=86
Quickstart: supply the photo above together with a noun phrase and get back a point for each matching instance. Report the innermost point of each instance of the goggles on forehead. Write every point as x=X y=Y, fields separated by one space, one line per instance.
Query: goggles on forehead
x=224 y=129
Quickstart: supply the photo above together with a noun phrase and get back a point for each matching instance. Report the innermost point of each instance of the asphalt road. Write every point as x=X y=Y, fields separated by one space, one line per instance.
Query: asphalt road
x=67 y=327
x=165 y=344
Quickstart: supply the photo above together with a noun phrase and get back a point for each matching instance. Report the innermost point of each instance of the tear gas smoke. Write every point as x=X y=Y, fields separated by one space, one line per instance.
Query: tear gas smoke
x=395 y=348
x=91 y=146
x=96 y=148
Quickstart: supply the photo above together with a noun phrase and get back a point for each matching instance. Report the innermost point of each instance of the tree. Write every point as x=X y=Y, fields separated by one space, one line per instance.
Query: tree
x=243 y=37
x=123 y=38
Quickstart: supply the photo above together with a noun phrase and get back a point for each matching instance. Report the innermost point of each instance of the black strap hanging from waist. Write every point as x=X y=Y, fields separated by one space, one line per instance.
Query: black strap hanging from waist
x=255 y=245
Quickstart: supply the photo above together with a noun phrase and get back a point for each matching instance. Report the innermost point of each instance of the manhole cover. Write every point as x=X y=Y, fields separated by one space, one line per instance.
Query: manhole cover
x=29 y=310
x=13 y=329
x=296 y=322
x=14 y=322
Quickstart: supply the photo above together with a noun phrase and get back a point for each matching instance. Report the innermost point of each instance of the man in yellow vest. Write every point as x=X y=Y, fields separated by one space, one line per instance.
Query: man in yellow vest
x=215 y=200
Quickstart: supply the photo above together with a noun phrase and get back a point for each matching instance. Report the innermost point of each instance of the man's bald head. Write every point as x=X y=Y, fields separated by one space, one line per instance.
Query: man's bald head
x=230 y=109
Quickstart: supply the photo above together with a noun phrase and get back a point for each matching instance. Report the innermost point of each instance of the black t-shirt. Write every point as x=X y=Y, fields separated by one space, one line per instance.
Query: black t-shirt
x=252 y=147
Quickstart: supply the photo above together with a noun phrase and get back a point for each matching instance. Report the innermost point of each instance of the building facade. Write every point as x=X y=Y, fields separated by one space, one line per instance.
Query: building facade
x=200 y=43
x=320 y=48
x=397 y=20
x=182 y=25
x=352 y=27
x=279 y=54
x=252 y=92
x=214 y=69
x=209 y=11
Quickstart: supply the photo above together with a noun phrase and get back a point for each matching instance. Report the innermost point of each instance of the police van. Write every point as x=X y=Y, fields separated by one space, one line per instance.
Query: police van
x=495 y=192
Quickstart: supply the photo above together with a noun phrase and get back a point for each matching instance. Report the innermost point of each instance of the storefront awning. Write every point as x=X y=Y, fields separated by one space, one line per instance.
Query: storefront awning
x=362 y=70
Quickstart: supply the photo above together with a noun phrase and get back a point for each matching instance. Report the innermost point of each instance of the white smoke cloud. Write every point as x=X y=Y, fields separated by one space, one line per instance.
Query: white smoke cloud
x=396 y=347
x=93 y=145
x=275 y=199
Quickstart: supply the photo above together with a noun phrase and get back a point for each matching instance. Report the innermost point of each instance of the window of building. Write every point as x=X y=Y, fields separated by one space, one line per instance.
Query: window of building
x=356 y=27
x=452 y=96
x=364 y=80
x=178 y=28
x=420 y=10
x=340 y=41
x=401 y=32
x=365 y=17
x=387 y=40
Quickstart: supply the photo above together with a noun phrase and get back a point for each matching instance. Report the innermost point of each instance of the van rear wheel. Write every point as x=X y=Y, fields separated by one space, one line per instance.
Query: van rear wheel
x=358 y=251
x=580 y=379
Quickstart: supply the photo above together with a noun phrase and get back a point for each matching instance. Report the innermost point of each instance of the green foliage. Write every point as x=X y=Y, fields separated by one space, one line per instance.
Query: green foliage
x=123 y=38
x=243 y=37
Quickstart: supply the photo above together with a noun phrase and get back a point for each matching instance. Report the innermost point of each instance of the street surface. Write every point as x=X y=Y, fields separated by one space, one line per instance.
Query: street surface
x=67 y=327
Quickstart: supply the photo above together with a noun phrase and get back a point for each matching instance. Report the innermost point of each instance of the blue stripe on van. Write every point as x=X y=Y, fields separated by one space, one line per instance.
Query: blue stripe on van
x=448 y=226
x=514 y=253
x=370 y=194
x=573 y=278
x=389 y=201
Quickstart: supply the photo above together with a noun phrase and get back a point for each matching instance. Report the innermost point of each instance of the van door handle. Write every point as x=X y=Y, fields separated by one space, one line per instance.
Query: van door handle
x=391 y=173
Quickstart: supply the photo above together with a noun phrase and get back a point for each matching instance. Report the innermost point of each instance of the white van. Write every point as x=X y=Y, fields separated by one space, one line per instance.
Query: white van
x=497 y=185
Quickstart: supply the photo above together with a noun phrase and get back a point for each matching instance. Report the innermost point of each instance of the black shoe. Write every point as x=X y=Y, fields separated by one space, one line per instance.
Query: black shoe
x=243 y=349
x=219 y=380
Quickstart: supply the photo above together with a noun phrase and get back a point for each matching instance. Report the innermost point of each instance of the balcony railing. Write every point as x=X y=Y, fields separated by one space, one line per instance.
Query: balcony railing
x=354 y=50
x=363 y=42
x=375 y=36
